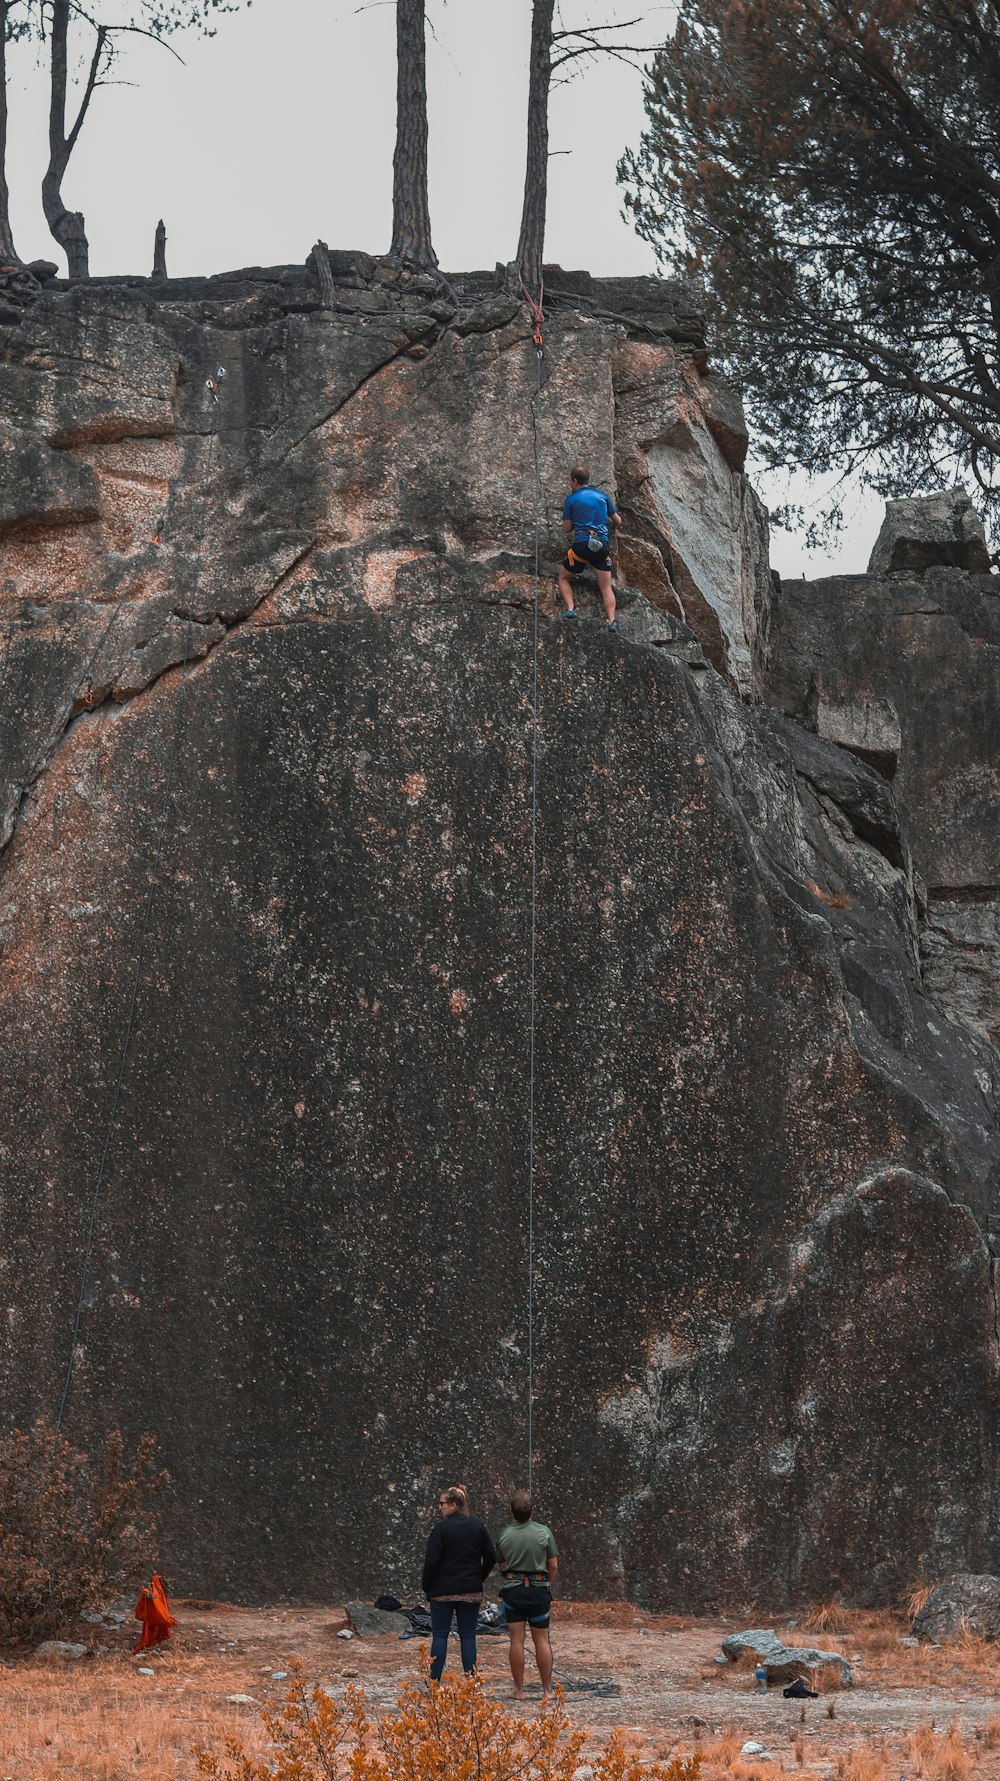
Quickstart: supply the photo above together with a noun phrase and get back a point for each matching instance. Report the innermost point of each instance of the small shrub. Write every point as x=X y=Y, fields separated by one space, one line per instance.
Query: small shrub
x=73 y=1532
x=449 y=1731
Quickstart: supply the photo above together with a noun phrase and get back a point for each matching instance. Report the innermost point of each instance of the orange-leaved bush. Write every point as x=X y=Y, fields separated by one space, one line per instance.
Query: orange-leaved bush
x=74 y=1531
x=446 y=1731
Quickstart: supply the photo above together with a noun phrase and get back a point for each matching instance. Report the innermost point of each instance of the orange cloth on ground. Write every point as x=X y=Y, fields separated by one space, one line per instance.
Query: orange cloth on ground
x=153 y=1610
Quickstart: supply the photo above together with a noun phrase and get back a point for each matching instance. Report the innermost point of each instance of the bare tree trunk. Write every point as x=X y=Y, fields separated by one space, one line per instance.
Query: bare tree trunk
x=66 y=225
x=411 y=222
x=536 y=178
x=160 y=251
x=8 y=252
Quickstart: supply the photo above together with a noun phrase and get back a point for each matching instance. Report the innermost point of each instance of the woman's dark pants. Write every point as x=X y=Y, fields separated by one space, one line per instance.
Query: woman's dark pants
x=466 y=1615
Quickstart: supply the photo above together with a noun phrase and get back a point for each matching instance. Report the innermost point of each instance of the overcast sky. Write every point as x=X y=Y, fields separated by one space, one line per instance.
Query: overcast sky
x=280 y=129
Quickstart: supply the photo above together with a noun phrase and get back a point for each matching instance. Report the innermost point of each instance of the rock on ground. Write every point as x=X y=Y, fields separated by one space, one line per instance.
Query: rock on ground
x=959 y=1603
x=781 y=1662
x=370 y=1623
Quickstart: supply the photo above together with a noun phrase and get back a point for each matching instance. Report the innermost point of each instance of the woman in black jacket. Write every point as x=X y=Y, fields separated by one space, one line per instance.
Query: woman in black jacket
x=458 y=1560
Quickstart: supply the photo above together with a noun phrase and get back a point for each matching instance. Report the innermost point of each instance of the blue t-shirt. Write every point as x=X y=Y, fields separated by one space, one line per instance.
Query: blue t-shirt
x=588 y=509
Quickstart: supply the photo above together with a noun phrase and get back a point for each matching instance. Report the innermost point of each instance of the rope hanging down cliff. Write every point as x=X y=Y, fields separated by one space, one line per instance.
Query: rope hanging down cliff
x=212 y=385
x=532 y=999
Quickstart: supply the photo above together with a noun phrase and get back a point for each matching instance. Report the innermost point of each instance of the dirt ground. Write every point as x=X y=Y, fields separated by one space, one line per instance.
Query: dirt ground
x=914 y=1712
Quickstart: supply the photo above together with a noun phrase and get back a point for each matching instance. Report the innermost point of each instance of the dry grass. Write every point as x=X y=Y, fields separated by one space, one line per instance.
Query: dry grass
x=875 y=1637
x=107 y=1722
x=917 y=1599
x=722 y=1758
x=821 y=1617
x=940 y=1756
x=99 y=1720
x=864 y=1763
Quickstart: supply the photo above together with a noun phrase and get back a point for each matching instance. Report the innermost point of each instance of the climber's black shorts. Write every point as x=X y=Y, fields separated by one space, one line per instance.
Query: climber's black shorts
x=526 y=1601
x=580 y=557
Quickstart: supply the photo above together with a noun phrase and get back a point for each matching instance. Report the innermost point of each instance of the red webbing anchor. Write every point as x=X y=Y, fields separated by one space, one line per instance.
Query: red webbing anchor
x=536 y=309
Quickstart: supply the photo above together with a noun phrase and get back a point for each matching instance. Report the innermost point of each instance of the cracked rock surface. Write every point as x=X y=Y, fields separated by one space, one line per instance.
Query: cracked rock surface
x=904 y=670
x=765 y=1338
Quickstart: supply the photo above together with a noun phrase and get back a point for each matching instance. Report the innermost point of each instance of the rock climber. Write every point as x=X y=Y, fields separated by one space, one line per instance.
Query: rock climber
x=587 y=516
x=458 y=1560
x=529 y=1564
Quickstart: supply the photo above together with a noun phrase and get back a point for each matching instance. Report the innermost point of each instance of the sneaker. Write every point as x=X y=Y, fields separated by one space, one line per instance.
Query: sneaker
x=568 y=612
x=612 y=626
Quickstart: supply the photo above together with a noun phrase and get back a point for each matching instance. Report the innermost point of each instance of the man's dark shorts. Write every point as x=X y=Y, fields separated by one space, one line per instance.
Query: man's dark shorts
x=526 y=1601
x=580 y=557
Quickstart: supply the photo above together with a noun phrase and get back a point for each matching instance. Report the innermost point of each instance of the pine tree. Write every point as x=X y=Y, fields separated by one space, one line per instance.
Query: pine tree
x=53 y=19
x=411 y=221
x=832 y=167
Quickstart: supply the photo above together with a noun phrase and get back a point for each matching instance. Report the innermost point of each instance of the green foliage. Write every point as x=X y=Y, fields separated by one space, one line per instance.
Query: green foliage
x=73 y=1532
x=832 y=168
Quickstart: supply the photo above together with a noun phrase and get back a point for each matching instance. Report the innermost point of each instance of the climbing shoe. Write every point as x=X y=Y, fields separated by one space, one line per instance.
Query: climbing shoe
x=570 y=612
x=612 y=626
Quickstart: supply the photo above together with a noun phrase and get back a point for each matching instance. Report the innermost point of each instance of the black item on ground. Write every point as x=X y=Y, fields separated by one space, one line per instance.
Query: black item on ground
x=391 y=1604
x=799 y=1691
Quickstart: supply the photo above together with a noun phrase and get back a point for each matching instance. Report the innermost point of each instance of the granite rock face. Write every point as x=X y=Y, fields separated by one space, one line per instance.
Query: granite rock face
x=765 y=1324
x=958 y=1604
x=905 y=673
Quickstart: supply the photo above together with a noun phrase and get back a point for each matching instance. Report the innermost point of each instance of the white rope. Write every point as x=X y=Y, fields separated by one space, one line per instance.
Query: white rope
x=534 y=922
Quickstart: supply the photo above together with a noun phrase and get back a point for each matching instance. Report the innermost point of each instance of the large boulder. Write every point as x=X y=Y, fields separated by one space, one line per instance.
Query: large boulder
x=764 y=1320
x=375 y=1623
x=962 y=1603
x=930 y=531
x=782 y=1663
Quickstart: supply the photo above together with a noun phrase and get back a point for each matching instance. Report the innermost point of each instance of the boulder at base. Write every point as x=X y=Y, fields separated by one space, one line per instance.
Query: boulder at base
x=783 y=1663
x=373 y=1623
x=961 y=1603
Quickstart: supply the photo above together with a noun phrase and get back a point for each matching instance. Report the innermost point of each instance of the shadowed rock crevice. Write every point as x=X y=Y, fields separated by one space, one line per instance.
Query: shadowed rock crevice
x=903 y=668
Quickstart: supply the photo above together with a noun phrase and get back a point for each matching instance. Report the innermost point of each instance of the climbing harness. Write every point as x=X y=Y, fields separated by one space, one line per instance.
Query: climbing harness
x=212 y=384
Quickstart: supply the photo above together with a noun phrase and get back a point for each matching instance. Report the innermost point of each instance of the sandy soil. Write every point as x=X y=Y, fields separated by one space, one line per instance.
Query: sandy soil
x=101 y=1718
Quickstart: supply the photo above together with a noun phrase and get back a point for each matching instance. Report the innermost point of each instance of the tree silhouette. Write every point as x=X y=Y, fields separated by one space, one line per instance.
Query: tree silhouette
x=555 y=47
x=832 y=167
x=157 y=19
x=411 y=221
x=15 y=22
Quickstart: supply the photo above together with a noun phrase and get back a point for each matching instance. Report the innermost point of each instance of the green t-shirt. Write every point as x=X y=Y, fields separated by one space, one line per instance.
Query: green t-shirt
x=526 y=1546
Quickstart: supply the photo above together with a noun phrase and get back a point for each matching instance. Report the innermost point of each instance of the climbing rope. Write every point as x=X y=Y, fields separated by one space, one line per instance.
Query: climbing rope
x=533 y=942
x=212 y=385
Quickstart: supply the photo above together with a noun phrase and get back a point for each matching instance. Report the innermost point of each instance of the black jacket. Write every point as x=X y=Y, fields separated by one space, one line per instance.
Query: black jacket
x=459 y=1556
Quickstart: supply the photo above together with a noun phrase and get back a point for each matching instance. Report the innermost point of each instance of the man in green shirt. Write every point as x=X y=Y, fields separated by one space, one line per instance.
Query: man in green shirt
x=528 y=1561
